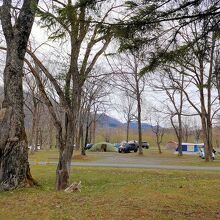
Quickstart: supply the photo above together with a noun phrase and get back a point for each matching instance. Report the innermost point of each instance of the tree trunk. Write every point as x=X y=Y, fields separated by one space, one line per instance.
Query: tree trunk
x=158 y=143
x=33 y=127
x=94 y=129
x=180 y=138
x=81 y=138
x=37 y=129
x=86 y=139
x=64 y=165
x=65 y=156
x=14 y=166
x=63 y=170
x=139 y=126
x=40 y=138
x=50 y=141
x=127 y=130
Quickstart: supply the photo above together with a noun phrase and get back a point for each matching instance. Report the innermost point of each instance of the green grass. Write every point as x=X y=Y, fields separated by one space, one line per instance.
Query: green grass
x=169 y=158
x=52 y=155
x=117 y=194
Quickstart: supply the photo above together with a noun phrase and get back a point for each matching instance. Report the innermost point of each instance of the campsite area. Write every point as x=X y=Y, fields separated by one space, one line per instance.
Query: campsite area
x=113 y=193
x=109 y=110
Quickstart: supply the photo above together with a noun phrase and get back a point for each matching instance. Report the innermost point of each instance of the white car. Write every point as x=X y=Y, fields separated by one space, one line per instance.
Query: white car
x=202 y=154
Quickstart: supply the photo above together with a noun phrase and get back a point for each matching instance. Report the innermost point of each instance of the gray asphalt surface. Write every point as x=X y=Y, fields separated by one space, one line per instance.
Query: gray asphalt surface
x=117 y=160
x=131 y=165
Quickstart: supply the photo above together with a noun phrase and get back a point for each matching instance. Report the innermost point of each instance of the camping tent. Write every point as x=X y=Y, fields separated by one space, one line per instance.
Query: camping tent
x=171 y=145
x=191 y=147
x=103 y=147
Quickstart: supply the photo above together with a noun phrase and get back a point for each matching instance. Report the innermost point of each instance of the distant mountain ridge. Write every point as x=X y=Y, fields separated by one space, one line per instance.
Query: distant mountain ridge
x=106 y=121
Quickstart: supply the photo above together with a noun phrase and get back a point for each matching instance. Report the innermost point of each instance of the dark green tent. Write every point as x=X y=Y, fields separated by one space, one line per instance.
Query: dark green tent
x=103 y=147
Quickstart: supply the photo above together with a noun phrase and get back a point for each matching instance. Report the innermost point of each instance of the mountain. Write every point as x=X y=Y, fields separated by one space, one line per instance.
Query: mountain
x=106 y=121
x=134 y=124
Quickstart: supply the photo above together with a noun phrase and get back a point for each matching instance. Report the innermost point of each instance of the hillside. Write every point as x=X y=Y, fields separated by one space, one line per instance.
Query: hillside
x=106 y=121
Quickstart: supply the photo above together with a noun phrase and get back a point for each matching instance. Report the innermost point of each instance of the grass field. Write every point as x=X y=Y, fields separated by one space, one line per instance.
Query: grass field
x=52 y=155
x=117 y=194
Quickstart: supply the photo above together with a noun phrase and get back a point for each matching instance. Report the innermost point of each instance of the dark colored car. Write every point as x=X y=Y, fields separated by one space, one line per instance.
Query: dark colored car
x=145 y=144
x=88 y=146
x=127 y=148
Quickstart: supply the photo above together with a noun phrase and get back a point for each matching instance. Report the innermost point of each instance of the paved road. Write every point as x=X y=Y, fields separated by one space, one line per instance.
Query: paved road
x=132 y=165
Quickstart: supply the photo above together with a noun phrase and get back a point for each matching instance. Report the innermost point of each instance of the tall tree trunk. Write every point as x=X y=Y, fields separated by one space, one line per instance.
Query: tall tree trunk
x=14 y=166
x=37 y=129
x=33 y=127
x=65 y=153
x=127 y=130
x=205 y=128
x=65 y=156
x=63 y=167
x=139 y=125
x=86 y=138
x=158 y=143
x=94 y=129
x=82 y=144
x=50 y=141
x=180 y=135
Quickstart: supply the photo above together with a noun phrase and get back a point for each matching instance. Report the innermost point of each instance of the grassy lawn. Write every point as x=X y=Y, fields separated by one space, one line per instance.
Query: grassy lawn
x=51 y=155
x=169 y=158
x=117 y=194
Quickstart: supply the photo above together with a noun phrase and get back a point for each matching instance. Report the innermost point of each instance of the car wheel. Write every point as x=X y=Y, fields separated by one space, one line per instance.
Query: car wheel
x=135 y=150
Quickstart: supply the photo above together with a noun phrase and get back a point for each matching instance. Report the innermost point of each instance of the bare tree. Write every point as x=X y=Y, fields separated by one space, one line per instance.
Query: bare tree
x=95 y=90
x=32 y=103
x=195 y=62
x=127 y=72
x=174 y=103
x=156 y=121
x=196 y=130
x=194 y=65
x=187 y=128
x=127 y=107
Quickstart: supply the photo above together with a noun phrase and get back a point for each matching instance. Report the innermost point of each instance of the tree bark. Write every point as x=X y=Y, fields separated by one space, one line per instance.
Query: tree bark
x=180 y=135
x=14 y=166
x=127 y=130
x=158 y=144
x=94 y=128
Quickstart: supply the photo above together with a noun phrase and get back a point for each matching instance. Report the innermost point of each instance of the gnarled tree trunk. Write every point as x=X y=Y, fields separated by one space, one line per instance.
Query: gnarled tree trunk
x=14 y=166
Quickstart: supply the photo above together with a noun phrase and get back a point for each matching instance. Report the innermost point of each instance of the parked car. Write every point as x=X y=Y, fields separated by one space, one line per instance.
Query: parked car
x=88 y=146
x=202 y=153
x=145 y=144
x=32 y=147
x=127 y=148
